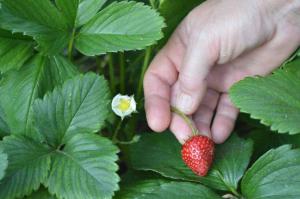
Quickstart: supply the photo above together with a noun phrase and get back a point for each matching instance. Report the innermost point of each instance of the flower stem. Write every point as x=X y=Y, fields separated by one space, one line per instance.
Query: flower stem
x=111 y=73
x=70 y=46
x=144 y=68
x=122 y=72
x=186 y=119
x=115 y=134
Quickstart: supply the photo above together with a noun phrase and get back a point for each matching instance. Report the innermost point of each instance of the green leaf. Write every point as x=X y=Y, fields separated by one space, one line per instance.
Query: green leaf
x=161 y=189
x=80 y=106
x=231 y=161
x=19 y=89
x=78 y=12
x=4 y=129
x=274 y=176
x=85 y=168
x=162 y=153
x=57 y=70
x=42 y=193
x=39 y=19
x=14 y=51
x=274 y=100
x=28 y=166
x=168 y=8
x=120 y=26
x=3 y=163
x=265 y=140
x=292 y=57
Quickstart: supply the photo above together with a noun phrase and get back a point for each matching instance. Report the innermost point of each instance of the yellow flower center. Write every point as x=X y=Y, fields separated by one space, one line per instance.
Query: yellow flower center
x=124 y=105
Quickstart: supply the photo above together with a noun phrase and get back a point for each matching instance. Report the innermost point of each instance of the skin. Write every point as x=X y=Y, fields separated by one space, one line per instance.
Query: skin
x=219 y=43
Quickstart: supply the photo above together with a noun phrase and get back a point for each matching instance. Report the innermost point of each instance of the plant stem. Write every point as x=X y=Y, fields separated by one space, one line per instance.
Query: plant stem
x=99 y=66
x=115 y=134
x=144 y=68
x=70 y=46
x=152 y=3
x=122 y=72
x=186 y=119
x=111 y=73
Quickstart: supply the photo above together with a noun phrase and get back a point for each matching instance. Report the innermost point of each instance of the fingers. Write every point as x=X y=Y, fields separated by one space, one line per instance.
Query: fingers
x=180 y=129
x=259 y=61
x=205 y=112
x=160 y=76
x=190 y=88
x=224 y=120
x=157 y=93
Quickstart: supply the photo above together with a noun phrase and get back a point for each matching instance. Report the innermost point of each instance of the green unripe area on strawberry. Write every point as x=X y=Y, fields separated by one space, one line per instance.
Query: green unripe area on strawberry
x=197 y=153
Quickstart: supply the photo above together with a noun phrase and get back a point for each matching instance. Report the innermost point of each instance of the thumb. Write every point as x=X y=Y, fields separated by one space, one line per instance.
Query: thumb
x=191 y=85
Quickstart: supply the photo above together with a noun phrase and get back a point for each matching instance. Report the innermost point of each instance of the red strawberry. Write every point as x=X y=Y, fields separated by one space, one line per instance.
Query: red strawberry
x=197 y=153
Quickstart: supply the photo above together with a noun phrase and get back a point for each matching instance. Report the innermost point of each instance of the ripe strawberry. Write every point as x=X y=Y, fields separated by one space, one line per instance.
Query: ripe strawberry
x=197 y=153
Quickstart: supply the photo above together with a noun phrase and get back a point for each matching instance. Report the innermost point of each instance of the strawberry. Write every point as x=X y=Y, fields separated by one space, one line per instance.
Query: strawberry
x=197 y=153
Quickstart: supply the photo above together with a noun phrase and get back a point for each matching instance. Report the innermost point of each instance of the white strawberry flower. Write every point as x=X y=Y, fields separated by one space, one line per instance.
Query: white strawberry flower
x=123 y=105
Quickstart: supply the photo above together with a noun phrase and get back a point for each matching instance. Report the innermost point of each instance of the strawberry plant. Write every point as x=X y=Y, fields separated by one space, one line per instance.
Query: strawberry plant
x=61 y=63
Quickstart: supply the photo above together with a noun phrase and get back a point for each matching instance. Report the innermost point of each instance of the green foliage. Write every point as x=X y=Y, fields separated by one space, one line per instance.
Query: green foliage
x=14 y=50
x=49 y=114
x=56 y=123
x=80 y=106
x=20 y=88
x=78 y=12
x=4 y=129
x=39 y=19
x=28 y=166
x=42 y=193
x=120 y=26
x=231 y=160
x=265 y=140
x=68 y=154
x=85 y=168
x=274 y=175
x=274 y=100
x=3 y=163
x=162 y=189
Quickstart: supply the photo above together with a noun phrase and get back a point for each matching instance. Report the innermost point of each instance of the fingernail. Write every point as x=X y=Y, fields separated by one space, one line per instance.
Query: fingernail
x=184 y=102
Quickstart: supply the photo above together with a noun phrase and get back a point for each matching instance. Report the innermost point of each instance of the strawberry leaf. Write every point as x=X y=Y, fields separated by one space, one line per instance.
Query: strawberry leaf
x=162 y=154
x=162 y=189
x=28 y=166
x=120 y=26
x=274 y=100
x=274 y=175
x=14 y=50
x=79 y=106
x=78 y=12
x=230 y=163
x=39 y=19
x=84 y=168
x=3 y=162
x=265 y=140
x=4 y=129
x=19 y=89
x=42 y=193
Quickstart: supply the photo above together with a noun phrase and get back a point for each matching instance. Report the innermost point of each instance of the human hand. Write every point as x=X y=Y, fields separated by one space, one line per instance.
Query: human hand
x=217 y=44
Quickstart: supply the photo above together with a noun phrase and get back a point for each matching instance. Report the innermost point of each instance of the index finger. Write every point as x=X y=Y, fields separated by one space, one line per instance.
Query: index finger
x=160 y=76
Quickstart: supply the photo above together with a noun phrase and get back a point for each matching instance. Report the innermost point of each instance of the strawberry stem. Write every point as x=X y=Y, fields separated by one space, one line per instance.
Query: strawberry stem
x=187 y=120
